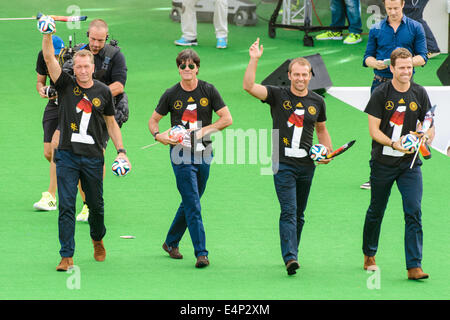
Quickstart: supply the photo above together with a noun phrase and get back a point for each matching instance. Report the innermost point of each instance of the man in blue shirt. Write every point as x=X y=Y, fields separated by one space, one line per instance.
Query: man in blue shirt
x=395 y=31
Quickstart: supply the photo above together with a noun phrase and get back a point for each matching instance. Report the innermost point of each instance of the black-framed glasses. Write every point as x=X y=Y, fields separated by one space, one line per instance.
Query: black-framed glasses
x=190 y=66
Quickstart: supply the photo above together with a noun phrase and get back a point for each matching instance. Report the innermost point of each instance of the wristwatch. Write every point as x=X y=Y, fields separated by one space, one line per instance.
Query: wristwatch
x=121 y=151
x=154 y=135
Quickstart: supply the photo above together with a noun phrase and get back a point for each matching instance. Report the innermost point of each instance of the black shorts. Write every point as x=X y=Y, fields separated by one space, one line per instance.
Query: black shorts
x=50 y=121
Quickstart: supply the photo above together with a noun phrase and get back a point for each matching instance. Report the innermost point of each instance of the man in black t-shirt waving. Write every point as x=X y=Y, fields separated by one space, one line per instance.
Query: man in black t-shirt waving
x=296 y=113
x=396 y=108
x=85 y=107
x=191 y=103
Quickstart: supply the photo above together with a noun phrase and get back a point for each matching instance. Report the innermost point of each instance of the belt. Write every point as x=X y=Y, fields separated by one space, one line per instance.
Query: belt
x=380 y=78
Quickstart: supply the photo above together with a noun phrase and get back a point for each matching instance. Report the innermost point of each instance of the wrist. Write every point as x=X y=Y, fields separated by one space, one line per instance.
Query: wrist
x=392 y=145
x=155 y=134
x=121 y=150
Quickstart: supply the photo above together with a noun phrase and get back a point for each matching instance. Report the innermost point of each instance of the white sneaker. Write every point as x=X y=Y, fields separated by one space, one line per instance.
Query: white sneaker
x=47 y=202
x=84 y=214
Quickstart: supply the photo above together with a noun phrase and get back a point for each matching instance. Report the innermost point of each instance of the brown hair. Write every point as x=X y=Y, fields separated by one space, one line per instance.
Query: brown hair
x=83 y=53
x=188 y=54
x=400 y=53
x=300 y=61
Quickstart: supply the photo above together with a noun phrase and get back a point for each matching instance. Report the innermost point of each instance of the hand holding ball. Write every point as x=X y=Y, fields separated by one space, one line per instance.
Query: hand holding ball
x=180 y=134
x=46 y=25
x=318 y=152
x=410 y=142
x=120 y=167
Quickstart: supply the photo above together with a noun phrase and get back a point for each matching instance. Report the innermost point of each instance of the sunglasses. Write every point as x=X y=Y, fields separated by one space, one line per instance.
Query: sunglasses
x=191 y=66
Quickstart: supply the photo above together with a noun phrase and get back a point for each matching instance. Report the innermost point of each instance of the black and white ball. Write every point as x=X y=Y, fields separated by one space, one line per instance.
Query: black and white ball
x=120 y=167
x=318 y=152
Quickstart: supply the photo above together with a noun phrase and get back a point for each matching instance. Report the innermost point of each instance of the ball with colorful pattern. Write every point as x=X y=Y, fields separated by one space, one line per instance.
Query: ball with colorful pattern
x=120 y=167
x=410 y=142
x=46 y=25
x=318 y=152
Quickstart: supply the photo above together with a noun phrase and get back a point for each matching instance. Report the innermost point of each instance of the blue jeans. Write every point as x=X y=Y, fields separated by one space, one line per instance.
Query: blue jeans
x=191 y=177
x=350 y=8
x=292 y=185
x=409 y=183
x=71 y=168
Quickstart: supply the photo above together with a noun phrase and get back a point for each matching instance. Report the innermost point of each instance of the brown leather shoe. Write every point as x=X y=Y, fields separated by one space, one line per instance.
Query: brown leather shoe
x=369 y=263
x=173 y=252
x=65 y=264
x=99 y=250
x=417 y=274
x=291 y=266
x=202 y=261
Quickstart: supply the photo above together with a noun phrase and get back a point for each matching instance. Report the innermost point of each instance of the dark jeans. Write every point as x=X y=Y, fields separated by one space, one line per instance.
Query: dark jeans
x=350 y=8
x=415 y=12
x=70 y=168
x=191 y=177
x=292 y=185
x=409 y=183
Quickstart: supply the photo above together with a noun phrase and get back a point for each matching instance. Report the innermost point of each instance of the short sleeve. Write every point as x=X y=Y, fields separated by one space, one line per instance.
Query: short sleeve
x=41 y=67
x=163 y=105
x=373 y=106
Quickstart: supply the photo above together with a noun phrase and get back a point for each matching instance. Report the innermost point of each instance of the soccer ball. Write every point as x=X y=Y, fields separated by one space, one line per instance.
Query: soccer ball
x=410 y=142
x=180 y=134
x=120 y=167
x=46 y=25
x=318 y=152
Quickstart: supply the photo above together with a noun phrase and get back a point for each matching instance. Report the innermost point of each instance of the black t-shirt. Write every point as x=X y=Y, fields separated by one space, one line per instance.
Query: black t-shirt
x=399 y=113
x=191 y=109
x=51 y=110
x=81 y=114
x=295 y=117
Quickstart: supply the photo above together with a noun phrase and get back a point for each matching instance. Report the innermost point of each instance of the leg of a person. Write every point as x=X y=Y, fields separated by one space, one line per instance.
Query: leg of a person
x=186 y=177
x=189 y=20
x=92 y=183
x=381 y=181
x=54 y=145
x=432 y=45
x=68 y=174
x=285 y=186
x=304 y=181
x=409 y=184
x=337 y=14
x=353 y=10
x=220 y=18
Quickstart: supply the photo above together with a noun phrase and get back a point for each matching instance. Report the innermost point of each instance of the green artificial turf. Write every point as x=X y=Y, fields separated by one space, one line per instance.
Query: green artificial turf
x=239 y=208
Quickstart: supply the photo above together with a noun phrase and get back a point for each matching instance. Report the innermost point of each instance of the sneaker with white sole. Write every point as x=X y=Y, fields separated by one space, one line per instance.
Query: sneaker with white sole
x=353 y=38
x=330 y=35
x=365 y=185
x=84 y=214
x=47 y=202
x=185 y=42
